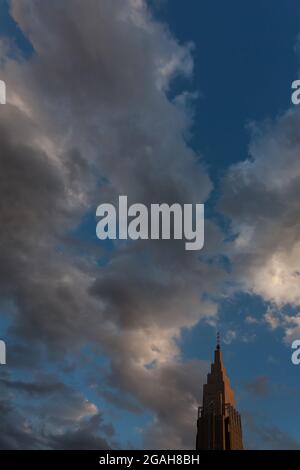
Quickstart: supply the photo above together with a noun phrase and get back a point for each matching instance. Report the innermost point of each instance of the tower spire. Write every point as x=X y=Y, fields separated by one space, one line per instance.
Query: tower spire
x=219 y=423
x=218 y=341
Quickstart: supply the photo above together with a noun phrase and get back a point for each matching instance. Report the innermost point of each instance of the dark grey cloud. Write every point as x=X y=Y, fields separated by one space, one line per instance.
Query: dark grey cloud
x=60 y=418
x=18 y=433
x=86 y=111
x=14 y=430
x=85 y=437
x=88 y=119
x=39 y=388
x=174 y=391
x=80 y=439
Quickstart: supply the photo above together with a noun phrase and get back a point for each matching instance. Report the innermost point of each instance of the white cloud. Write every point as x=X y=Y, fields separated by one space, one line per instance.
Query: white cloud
x=229 y=336
x=261 y=197
x=251 y=320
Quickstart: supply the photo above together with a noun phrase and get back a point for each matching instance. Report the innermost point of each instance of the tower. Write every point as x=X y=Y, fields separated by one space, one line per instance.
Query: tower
x=219 y=424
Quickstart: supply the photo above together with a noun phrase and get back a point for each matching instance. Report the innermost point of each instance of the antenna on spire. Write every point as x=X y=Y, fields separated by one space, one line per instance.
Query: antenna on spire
x=218 y=341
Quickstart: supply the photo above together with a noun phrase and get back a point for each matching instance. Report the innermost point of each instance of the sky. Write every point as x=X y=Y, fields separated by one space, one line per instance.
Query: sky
x=109 y=343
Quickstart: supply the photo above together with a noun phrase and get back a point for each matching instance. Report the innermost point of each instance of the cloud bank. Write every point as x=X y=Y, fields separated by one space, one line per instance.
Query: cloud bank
x=89 y=117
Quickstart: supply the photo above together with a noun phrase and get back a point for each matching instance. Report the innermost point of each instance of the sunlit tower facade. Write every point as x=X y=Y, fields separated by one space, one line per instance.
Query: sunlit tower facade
x=219 y=424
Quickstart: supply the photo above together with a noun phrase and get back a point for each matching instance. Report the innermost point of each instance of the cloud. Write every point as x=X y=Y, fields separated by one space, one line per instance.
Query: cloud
x=289 y=323
x=262 y=436
x=43 y=387
x=262 y=387
x=259 y=387
x=53 y=416
x=15 y=431
x=229 y=336
x=174 y=391
x=122 y=137
x=261 y=198
x=84 y=438
x=272 y=319
x=260 y=195
x=88 y=119
x=251 y=320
